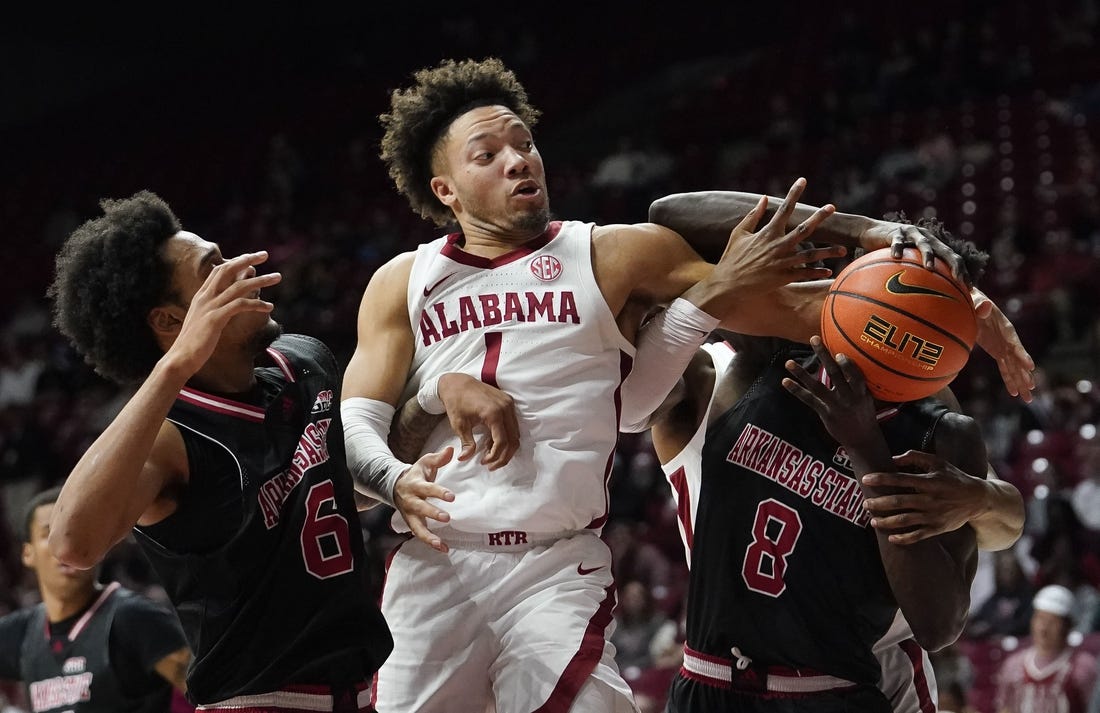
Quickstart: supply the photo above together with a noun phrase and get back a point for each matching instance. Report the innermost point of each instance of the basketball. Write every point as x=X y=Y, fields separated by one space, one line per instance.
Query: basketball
x=909 y=329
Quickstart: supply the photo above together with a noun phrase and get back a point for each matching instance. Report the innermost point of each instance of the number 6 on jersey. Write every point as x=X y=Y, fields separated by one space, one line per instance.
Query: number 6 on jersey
x=330 y=527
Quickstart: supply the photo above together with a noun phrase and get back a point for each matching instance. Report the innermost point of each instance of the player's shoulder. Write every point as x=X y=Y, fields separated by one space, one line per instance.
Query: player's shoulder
x=12 y=626
x=388 y=285
x=396 y=269
x=636 y=233
x=958 y=430
x=143 y=624
x=637 y=248
x=13 y=633
x=304 y=348
x=132 y=605
x=139 y=615
x=960 y=425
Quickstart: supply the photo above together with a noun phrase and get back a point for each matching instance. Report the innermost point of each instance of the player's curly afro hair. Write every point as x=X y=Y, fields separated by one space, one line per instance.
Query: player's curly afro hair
x=420 y=115
x=974 y=258
x=109 y=273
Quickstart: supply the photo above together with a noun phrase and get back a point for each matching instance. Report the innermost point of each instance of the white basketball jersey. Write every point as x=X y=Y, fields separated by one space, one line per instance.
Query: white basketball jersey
x=684 y=471
x=534 y=323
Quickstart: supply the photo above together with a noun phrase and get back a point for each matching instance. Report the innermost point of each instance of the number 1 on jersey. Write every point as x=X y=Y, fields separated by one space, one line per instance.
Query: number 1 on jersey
x=492 y=358
x=766 y=558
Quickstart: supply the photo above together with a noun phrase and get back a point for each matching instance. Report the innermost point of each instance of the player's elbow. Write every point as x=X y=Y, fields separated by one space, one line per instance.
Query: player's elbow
x=943 y=629
x=658 y=210
x=934 y=639
x=73 y=551
x=664 y=209
x=75 y=545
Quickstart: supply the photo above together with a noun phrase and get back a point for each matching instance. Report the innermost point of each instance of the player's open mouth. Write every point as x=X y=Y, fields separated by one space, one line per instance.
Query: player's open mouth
x=527 y=189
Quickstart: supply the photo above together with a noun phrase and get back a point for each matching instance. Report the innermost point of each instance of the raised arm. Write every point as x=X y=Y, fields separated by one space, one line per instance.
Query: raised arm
x=705 y=218
x=653 y=264
x=847 y=410
x=751 y=266
x=129 y=474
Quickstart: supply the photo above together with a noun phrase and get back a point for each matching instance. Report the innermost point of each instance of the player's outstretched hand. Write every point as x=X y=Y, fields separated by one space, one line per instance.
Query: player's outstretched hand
x=231 y=288
x=898 y=236
x=471 y=403
x=941 y=498
x=998 y=338
x=845 y=406
x=411 y=493
x=759 y=261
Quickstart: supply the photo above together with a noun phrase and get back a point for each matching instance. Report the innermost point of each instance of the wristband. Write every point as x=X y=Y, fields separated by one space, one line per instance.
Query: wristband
x=428 y=396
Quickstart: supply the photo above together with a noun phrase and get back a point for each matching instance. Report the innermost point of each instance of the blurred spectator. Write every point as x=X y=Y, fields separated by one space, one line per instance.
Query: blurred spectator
x=1086 y=495
x=632 y=558
x=1049 y=676
x=1008 y=610
x=21 y=366
x=638 y=621
x=952 y=698
x=1060 y=546
x=631 y=167
x=952 y=668
x=667 y=647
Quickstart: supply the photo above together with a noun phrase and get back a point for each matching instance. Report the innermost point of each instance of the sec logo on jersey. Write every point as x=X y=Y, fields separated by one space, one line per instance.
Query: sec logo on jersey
x=546 y=267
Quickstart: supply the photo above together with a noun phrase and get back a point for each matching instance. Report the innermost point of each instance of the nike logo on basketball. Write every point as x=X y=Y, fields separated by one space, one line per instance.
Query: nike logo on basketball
x=429 y=290
x=895 y=286
x=581 y=570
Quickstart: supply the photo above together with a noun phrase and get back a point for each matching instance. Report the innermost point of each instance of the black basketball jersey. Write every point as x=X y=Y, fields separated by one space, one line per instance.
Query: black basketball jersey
x=75 y=674
x=283 y=599
x=785 y=565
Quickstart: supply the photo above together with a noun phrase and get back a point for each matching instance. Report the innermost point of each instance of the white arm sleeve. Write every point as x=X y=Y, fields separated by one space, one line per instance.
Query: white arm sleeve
x=666 y=344
x=374 y=468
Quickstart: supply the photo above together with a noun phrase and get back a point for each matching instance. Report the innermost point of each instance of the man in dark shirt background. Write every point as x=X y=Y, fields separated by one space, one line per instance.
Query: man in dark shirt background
x=88 y=647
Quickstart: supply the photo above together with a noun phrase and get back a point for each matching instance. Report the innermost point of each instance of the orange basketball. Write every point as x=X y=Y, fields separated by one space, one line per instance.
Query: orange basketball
x=909 y=329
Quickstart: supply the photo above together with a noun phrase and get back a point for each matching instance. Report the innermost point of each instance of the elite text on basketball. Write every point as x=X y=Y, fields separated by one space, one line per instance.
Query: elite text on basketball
x=880 y=333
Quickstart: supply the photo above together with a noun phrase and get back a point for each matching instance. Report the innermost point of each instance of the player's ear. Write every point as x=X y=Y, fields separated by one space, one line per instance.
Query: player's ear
x=28 y=555
x=166 y=320
x=443 y=190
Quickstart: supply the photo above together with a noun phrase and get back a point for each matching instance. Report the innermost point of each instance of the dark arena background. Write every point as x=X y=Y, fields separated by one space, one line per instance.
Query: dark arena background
x=261 y=131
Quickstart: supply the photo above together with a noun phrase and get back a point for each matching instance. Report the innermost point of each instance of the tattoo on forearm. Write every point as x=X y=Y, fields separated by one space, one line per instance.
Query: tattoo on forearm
x=410 y=431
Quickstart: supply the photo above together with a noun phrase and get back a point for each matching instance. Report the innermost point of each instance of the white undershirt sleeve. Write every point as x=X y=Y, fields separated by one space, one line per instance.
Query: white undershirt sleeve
x=666 y=344
x=374 y=468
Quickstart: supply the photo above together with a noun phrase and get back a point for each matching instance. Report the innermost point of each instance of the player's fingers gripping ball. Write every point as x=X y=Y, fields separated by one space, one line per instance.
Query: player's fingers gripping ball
x=909 y=329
